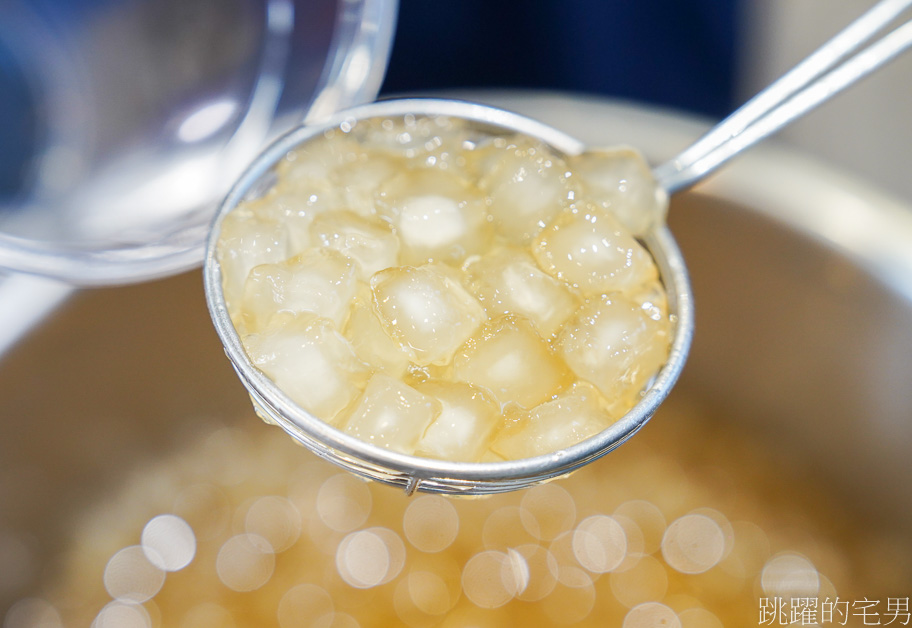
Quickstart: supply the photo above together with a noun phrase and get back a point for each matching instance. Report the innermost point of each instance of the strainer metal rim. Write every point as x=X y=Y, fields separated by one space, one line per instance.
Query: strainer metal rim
x=425 y=473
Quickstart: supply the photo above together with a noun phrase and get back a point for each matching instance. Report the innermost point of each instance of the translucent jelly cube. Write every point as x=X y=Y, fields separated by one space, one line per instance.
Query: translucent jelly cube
x=570 y=418
x=426 y=310
x=357 y=182
x=371 y=343
x=437 y=216
x=588 y=248
x=621 y=181
x=310 y=361
x=437 y=142
x=486 y=153
x=391 y=414
x=508 y=358
x=295 y=210
x=368 y=241
x=245 y=241
x=463 y=429
x=321 y=281
x=316 y=160
x=614 y=343
x=412 y=137
x=527 y=187
x=510 y=281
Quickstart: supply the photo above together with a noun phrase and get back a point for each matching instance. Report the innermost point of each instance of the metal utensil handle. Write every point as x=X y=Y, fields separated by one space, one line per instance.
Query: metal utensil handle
x=803 y=88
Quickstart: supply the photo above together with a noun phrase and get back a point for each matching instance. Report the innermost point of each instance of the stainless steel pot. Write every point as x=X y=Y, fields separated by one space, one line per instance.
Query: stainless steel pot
x=803 y=287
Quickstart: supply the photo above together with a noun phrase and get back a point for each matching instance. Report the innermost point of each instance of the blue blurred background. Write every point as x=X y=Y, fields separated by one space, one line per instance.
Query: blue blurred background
x=18 y=126
x=675 y=53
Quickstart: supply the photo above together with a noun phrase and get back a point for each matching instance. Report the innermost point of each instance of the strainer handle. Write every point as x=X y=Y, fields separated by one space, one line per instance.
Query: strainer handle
x=804 y=87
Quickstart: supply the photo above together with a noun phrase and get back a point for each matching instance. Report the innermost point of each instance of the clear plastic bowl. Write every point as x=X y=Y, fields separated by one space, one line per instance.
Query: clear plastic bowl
x=127 y=122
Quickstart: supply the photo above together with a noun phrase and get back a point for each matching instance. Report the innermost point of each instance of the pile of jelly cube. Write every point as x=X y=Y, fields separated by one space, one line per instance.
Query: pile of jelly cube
x=442 y=290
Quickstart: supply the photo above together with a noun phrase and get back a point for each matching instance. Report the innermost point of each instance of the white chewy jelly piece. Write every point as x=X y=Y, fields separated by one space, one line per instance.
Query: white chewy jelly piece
x=426 y=310
x=570 y=418
x=367 y=241
x=614 y=343
x=527 y=186
x=587 y=247
x=320 y=281
x=619 y=180
x=391 y=414
x=311 y=362
x=467 y=419
x=437 y=216
x=510 y=282
x=508 y=358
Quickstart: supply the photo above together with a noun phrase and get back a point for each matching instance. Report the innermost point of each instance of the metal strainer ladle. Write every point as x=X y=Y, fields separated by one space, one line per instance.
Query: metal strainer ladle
x=807 y=85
